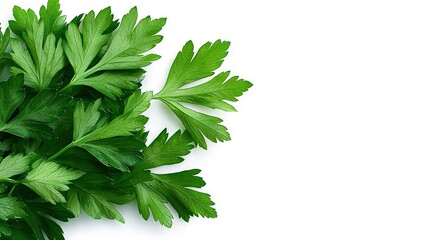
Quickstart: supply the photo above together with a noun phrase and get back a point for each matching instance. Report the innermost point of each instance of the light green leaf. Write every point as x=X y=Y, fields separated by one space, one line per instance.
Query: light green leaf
x=11 y=208
x=42 y=56
x=82 y=48
x=44 y=60
x=23 y=20
x=85 y=120
x=50 y=16
x=52 y=19
x=212 y=94
x=149 y=199
x=130 y=42
x=14 y=165
x=113 y=83
x=199 y=125
x=188 y=68
x=93 y=202
x=124 y=52
x=49 y=179
x=137 y=103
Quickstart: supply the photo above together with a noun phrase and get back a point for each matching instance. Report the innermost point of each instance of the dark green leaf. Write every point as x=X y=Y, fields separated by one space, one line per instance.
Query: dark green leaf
x=35 y=119
x=11 y=95
x=176 y=188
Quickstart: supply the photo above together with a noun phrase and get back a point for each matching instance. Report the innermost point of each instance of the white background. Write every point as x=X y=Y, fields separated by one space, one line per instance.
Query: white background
x=330 y=143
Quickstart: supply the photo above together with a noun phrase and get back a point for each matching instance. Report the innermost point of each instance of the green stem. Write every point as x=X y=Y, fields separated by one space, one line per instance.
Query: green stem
x=61 y=151
x=66 y=88
x=78 y=77
x=13 y=188
x=8 y=180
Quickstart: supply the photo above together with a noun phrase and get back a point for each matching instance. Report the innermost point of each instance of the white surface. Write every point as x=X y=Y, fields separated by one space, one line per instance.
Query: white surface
x=331 y=142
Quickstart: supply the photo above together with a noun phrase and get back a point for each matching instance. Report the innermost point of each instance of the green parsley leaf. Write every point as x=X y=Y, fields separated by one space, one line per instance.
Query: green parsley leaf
x=112 y=143
x=163 y=152
x=93 y=202
x=4 y=43
x=43 y=226
x=49 y=179
x=85 y=120
x=126 y=124
x=199 y=124
x=188 y=68
x=212 y=94
x=11 y=208
x=124 y=52
x=50 y=16
x=43 y=56
x=11 y=96
x=5 y=229
x=59 y=211
x=117 y=152
x=35 y=119
x=176 y=188
x=39 y=67
x=14 y=165
x=149 y=199
x=52 y=19
x=112 y=83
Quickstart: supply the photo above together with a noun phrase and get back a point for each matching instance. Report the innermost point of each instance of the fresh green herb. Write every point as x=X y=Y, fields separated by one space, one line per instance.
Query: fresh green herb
x=72 y=133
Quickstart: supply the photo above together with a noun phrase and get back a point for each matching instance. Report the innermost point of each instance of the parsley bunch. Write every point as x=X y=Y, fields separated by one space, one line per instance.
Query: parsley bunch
x=72 y=134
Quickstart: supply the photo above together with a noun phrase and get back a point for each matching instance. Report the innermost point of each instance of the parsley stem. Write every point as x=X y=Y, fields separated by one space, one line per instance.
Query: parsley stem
x=8 y=180
x=13 y=188
x=66 y=87
x=61 y=151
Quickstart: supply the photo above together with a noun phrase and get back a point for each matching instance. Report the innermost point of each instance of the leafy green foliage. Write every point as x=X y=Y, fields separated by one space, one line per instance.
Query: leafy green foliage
x=72 y=124
x=188 y=68
x=35 y=119
x=149 y=200
x=163 y=151
x=93 y=202
x=10 y=208
x=199 y=124
x=176 y=188
x=124 y=52
x=11 y=96
x=4 y=42
x=14 y=165
x=43 y=56
x=48 y=179
x=39 y=68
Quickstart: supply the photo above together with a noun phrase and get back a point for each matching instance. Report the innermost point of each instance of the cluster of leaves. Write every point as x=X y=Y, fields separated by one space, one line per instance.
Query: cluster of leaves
x=72 y=134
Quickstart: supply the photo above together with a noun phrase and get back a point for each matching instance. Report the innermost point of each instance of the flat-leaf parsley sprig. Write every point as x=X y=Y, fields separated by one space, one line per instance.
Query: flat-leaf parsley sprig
x=72 y=124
